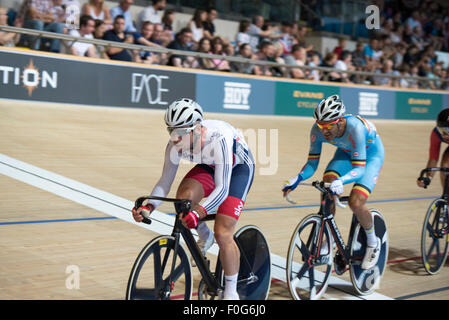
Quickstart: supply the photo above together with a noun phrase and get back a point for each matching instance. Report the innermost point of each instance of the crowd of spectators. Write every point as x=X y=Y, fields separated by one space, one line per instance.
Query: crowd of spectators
x=410 y=32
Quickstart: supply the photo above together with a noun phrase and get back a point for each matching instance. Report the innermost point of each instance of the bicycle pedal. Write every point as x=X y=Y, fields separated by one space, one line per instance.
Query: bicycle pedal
x=340 y=265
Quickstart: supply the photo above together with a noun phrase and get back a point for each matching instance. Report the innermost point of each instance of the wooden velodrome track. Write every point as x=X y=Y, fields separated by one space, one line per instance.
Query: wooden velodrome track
x=120 y=151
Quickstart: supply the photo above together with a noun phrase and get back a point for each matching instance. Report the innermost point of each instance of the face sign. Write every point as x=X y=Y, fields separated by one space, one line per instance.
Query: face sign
x=329 y=128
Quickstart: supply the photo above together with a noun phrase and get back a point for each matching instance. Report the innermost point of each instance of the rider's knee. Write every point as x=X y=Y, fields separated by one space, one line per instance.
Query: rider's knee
x=356 y=203
x=223 y=236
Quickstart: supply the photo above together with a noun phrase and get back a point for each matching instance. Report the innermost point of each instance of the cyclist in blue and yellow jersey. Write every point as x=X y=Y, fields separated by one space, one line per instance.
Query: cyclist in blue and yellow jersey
x=358 y=159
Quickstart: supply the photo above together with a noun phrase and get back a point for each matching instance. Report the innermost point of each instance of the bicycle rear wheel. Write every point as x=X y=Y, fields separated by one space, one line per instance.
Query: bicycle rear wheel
x=366 y=281
x=149 y=278
x=308 y=275
x=255 y=259
x=434 y=236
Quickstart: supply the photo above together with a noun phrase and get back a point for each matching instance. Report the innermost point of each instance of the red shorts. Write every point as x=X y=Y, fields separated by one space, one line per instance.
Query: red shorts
x=241 y=180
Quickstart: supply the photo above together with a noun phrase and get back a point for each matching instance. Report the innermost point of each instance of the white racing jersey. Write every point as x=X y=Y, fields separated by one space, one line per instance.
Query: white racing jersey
x=223 y=149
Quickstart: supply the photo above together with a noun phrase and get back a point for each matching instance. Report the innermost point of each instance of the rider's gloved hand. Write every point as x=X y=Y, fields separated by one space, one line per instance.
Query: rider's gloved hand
x=192 y=219
x=337 y=186
x=143 y=211
x=292 y=183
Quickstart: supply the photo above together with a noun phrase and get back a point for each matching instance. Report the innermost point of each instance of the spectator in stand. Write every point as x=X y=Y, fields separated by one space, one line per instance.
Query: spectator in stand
x=204 y=46
x=387 y=68
x=398 y=57
x=243 y=35
x=98 y=11
x=314 y=62
x=217 y=48
x=340 y=48
x=358 y=56
x=196 y=25
x=59 y=12
x=404 y=70
x=418 y=39
x=8 y=39
x=167 y=23
x=123 y=9
x=372 y=51
x=144 y=38
x=118 y=34
x=397 y=33
x=151 y=13
x=329 y=62
x=298 y=57
x=38 y=15
x=265 y=53
x=208 y=25
x=241 y=67
x=444 y=76
x=300 y=33
x=288 y=40
x=83 y=49
x=183 y=40
x=414 y=20
x=345 y=64
x=257 y=34
x=278 y=58
x=100 y=29
x=434 y=73
x=413 y=73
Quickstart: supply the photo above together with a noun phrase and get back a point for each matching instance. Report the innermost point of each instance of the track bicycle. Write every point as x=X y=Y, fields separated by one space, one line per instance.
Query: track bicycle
x=435 y=230
x=310 y=253
x=162 y=270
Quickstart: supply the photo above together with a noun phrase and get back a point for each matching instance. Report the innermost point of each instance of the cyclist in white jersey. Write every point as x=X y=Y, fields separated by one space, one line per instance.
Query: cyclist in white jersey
x=223 y=176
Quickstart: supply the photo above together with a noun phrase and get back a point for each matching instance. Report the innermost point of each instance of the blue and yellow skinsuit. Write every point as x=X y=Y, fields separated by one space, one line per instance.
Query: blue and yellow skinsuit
x=358 y=158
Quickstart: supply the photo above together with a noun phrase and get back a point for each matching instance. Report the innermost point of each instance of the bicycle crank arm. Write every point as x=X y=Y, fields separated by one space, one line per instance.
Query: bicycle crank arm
x=251 y=279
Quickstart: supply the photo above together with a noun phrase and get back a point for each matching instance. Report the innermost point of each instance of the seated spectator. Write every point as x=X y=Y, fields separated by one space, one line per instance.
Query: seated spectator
x=387 y=68
x=314 y=62
x=329 y=62
x=59 y=12
x=265 y=53
x=300 y=33
x=404 y=70
x=414 y=20
x=123 y=9
x=298 y=57
x=98 y=11
x=144 y=38
x=413 y=73
x=218 y=49
x=84 y=49
x=243 y=35
x=257 y=34
x=8 y=39
x=39 y=15
x=398 y=56
x=167 y=24
x=117 y=33
x=183 y=40
x=151 y=13
x=345 y=64
x=204 y=46
x=242 y=67
x=208 y=25
x=100 y=29
x=288 y=40
x=341 y=46
x=358 y=56
x=372 y=51
x=397 y=33
x=196 y=24
x=434 y=73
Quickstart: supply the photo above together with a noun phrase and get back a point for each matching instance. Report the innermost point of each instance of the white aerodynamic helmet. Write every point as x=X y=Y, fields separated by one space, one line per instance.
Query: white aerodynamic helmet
x=329 y=109
x=183 y=112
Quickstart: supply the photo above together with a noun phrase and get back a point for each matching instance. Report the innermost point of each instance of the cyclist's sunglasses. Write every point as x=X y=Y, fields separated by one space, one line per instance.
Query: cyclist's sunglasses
x=327 y=126
x=443 y=131
x=180 y=132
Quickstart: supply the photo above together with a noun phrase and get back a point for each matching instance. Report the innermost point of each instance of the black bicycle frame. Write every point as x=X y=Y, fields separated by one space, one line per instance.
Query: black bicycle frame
x=327 y=204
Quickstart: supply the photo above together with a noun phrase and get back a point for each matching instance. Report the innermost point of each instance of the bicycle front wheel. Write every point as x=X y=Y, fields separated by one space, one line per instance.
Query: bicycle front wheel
x=308 y=271
x=153 y=276
x=434 y=236
x=367 y=281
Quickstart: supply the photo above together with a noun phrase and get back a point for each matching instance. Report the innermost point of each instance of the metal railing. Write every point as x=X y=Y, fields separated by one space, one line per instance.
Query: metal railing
x=68 y=40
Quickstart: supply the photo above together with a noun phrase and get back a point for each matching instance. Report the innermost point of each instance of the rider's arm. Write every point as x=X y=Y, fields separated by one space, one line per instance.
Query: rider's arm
x=223 y=159
x=171 y=164
x=434 y=151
